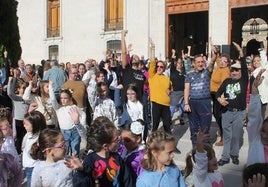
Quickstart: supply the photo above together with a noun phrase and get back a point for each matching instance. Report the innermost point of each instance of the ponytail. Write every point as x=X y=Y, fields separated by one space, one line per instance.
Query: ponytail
x=189 y=165
x=36 y=152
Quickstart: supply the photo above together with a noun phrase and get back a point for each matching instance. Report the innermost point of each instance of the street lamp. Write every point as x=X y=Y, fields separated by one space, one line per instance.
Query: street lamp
x=254 y=27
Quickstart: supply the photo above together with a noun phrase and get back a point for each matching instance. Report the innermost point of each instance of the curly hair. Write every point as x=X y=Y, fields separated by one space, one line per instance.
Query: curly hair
x=155 y=142
x=100 y=132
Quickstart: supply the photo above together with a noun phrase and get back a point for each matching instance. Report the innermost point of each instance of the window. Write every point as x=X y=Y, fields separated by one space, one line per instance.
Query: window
x=53 y=52
x=114 y=45
x=53 y=18
x=114 y=15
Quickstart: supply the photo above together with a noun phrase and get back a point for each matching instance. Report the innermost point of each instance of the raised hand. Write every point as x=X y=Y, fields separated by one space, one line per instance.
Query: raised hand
x=74 y=115
x=73 y=163
x=257 y=181
x=257 y=81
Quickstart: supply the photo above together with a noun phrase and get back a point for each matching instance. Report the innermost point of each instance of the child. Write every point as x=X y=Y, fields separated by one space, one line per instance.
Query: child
x=9 y=144
x=160 y=169
x=67 y=125
x=205 y=172
x=19 y=108
x=43 y=102
x=34 y=122
x=11 y=171
x=104 y=106
x=103 y=166
x=255 y=175
x=132 y=151
x=133 y=109
x=50 y=170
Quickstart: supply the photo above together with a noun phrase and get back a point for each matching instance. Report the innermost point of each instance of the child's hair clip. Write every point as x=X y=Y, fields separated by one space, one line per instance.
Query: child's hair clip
x=136 y=128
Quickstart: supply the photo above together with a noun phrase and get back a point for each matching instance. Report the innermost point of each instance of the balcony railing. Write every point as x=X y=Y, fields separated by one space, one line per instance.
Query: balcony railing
x=53 y=32
x=113 y=24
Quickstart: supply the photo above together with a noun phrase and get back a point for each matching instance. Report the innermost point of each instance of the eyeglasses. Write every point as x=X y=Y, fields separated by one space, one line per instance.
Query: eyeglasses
x=162 y=67
x=60 y=146
x=235 y=69
x=2 y=139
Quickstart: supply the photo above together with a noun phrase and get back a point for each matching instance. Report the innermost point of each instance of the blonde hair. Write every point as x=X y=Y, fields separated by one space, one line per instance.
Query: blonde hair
x=155 y=142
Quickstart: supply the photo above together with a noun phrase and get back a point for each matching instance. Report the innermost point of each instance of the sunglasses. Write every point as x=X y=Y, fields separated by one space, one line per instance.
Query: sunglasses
x=60 y=146
x=162 y=67
x=234 y=69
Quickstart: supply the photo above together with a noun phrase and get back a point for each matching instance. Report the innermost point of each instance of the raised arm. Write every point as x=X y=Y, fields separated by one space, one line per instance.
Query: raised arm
x=213 y=58
x=239 y=49
x=254 y=109
x=124 y=49
x=152 y=48
x=11 y=87
x=27 y=93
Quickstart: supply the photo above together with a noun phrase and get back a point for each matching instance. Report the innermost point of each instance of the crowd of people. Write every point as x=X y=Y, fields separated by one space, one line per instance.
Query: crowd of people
x=98 y=124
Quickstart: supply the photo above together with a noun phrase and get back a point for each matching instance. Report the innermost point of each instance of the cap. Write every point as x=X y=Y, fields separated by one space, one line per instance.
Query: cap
x=236 y=65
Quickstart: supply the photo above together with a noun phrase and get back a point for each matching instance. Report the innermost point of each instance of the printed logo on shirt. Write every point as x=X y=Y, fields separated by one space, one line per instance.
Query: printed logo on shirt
x=232 y=90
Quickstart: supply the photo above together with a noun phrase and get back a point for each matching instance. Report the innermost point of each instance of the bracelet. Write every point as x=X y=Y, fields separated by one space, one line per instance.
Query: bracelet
x=186 y=104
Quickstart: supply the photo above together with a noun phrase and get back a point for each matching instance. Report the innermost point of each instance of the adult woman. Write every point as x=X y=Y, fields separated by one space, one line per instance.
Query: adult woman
x=177 y=76
x=257 y=127
x=81 y=71
x=219 y=74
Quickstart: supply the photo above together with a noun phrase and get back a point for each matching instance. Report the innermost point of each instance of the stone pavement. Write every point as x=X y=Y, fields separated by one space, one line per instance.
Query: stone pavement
x=232 y=174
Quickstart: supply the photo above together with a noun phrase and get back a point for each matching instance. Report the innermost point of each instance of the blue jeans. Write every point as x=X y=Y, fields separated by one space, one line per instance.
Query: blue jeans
x=28 y=172
x=72 y=139
x=176 y=108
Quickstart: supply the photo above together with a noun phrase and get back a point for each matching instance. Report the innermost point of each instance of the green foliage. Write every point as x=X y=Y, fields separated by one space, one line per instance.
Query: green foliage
x=9 y=30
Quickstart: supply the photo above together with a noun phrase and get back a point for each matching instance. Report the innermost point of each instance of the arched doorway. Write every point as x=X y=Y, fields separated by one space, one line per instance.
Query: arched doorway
x=252 y=47
x=254 y=35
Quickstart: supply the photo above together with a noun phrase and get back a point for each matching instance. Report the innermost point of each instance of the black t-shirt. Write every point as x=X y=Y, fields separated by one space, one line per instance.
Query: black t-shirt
x=130 y=76
x=235 y=89
x=177 y=78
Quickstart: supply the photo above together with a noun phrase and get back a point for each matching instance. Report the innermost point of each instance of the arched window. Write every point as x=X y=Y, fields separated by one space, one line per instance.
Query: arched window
x=114 y=14
x=53 y=18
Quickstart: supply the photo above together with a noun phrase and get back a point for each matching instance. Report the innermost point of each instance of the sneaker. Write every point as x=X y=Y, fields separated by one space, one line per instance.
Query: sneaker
x=219 y=143
x=223 y=162
x=235 y=160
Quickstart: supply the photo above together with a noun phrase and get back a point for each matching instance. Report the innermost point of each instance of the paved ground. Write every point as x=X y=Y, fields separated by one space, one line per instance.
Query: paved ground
x=231 y=173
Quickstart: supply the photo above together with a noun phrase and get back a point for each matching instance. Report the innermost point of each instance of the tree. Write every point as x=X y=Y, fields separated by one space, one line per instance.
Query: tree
x=9 y=30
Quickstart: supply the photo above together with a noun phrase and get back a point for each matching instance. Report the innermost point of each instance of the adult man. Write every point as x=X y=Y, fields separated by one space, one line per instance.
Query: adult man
x=21 y=65
x=77 y=87
x=57 y=76
x=30 y=75
x=91 y=68
x=197 y=97
x=232 y=96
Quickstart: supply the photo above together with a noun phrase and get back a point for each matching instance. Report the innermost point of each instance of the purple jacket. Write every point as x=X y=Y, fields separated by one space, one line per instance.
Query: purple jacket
x=133 y=159
x=11 y=171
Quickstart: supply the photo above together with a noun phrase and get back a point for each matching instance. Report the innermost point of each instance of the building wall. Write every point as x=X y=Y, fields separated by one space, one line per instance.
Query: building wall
x=82 y=29
x=218 y=21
